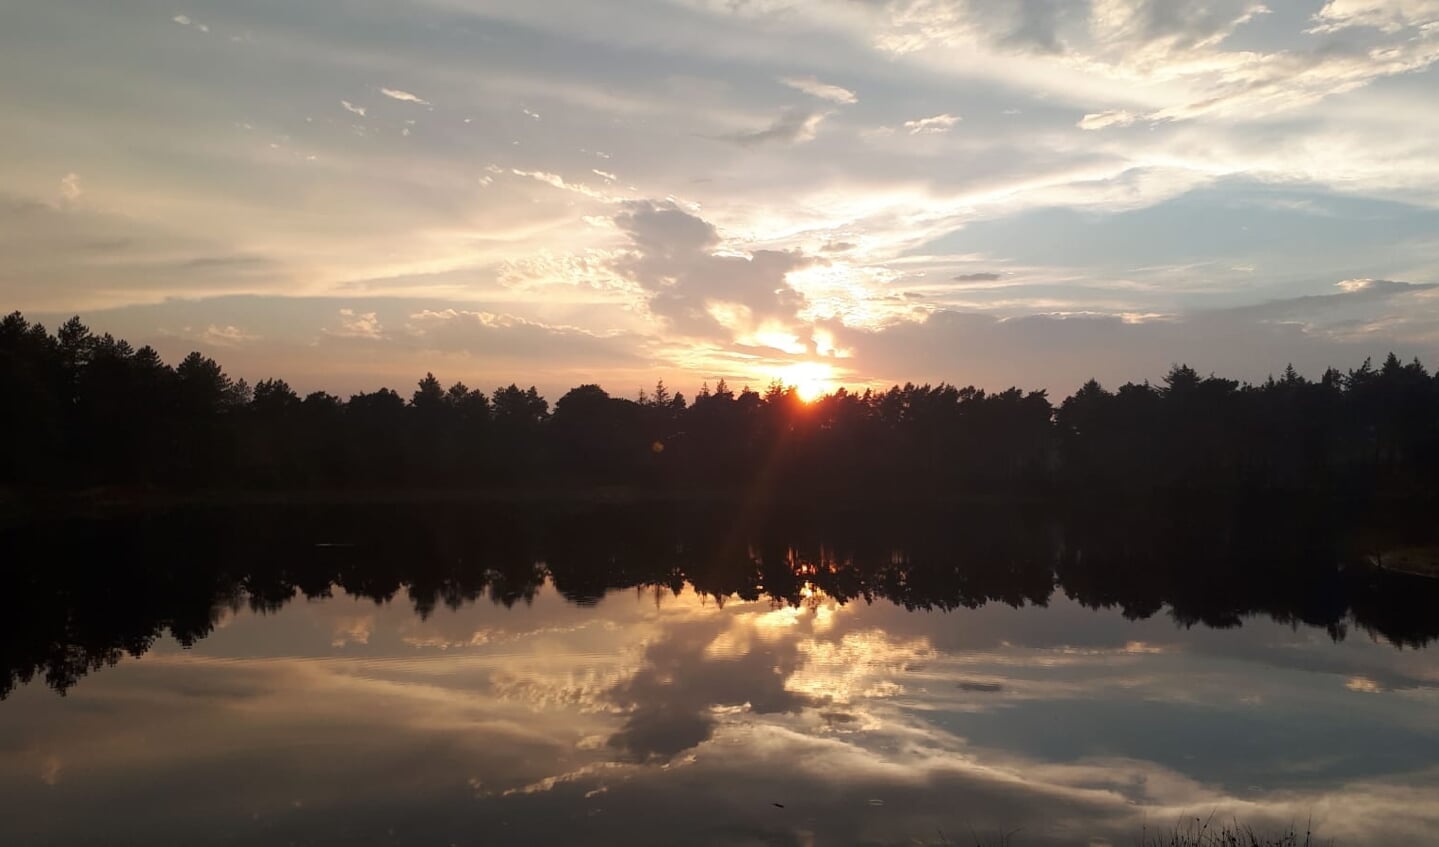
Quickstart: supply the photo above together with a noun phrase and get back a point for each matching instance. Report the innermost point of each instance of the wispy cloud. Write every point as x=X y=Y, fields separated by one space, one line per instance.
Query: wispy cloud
x=795 y=126
x=70 y=189
x=1388 y=16
x=404 y=96
x=1104 y=120
x=187 y=21
x=932 y=125
x=227 y=336
x=351 y=107
x=824 y=91
x=560 y=182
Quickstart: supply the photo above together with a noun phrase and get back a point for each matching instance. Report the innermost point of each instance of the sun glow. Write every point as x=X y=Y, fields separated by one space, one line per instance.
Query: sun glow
x=810 y=380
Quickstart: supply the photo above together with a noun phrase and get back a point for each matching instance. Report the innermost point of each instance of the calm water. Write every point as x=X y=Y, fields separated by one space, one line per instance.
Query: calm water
x=338 y=690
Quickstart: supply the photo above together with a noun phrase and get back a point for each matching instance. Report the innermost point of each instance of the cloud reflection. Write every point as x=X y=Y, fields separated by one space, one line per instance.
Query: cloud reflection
x=656 y=716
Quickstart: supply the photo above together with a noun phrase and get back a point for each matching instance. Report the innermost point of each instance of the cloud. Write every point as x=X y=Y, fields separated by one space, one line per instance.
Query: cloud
x=978 y=277
x=187 y=21
x=52 y=770
x=1174 y=56
x=404 y=96
x=561 y=183
x=1059 y=352
x=1352 y=292
x=70 y=189
x=1388 y=16
x=1104 y=120
x=980 y=687
x=70 y=254
x=671 y=700
x=1281 y=82
x=932 y=125
x=547 y=270
x=1030 y=26
x=364 y=325
x=794 y=126
x=1186 y=44
x=674 y=258
x=824 y=91
x=226 y=336
x=519 y=342
x=228 y=262
x=351 y=107
x=1178 y=27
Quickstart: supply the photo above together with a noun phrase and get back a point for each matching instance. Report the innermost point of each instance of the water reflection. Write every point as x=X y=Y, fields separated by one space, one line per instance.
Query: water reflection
x=626 y=678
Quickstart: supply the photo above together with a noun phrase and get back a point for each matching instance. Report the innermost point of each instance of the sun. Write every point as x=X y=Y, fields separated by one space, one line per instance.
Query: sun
x=810 y=380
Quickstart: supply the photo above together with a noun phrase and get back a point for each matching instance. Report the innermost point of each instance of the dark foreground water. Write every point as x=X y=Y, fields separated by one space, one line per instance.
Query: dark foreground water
x=452 y=679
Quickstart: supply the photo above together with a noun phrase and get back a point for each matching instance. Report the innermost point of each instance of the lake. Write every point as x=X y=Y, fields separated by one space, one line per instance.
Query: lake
x=634 y=676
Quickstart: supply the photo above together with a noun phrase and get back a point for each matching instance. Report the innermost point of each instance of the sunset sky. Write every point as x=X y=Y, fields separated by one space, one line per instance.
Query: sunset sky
x=348 y=193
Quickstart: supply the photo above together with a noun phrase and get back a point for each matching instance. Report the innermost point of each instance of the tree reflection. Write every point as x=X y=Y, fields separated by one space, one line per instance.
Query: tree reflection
x=81 y=595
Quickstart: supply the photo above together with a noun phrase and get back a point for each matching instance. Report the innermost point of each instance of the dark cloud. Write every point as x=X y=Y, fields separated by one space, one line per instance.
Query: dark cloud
x=665 y=230
x=58 y=255
x=508 y=338
x=1031 y=25
x=977 y=277
x=674 y=261
x=1059 y=353
x=1355 y=292
x=671 y=699
x=1184 y=22
x=984 y=687
x=226 y=262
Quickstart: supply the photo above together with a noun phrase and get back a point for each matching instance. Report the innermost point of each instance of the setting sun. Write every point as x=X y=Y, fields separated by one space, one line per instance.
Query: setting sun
x=810 y=380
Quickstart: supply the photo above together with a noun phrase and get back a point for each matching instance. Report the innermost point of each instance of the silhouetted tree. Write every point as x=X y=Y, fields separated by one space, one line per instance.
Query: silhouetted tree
x=88 y=410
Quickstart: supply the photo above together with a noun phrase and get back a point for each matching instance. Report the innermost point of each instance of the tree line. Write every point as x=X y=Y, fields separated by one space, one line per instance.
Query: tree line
x=85 y=410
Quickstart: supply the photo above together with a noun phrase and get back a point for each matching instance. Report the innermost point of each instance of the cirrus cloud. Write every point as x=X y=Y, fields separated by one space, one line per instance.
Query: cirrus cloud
x=824 y=91
x=404 y=96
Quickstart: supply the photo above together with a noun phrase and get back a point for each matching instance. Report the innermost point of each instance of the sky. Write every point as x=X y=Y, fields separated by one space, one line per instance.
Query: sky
x=350 y=193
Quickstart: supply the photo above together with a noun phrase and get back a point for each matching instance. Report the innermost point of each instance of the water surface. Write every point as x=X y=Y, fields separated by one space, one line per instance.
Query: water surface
x=602 y=690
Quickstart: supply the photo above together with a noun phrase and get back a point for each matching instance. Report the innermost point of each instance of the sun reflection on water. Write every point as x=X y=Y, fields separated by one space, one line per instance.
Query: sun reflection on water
x=548 y=710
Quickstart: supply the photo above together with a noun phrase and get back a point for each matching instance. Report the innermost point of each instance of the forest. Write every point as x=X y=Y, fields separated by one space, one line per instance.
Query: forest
x=86 y=411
